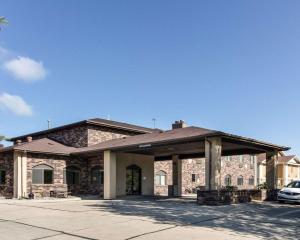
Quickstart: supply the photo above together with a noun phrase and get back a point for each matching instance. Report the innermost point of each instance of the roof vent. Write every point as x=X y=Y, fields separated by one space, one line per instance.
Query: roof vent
x=179 y=124
x=29 y=139
x=18 y=142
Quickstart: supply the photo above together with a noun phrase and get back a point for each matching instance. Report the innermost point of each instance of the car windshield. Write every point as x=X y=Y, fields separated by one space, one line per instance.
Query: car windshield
x=293 y=185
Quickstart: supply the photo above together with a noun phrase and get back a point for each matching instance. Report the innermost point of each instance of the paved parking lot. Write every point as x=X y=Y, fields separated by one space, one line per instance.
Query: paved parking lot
x=144 y=219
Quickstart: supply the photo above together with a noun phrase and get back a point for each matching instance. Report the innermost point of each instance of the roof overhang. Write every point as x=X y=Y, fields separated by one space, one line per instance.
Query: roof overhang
x=192 y=147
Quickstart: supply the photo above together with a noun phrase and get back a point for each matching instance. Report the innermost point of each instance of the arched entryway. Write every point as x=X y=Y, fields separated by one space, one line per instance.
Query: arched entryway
x=133 y=180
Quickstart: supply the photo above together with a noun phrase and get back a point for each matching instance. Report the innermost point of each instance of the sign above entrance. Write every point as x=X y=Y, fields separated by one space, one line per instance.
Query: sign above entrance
x=144 y=145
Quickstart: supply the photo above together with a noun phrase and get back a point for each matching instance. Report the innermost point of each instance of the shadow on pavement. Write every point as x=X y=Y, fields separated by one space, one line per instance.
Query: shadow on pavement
x=267 y=220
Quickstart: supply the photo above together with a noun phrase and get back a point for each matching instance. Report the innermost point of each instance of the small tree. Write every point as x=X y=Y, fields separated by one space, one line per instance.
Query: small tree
x=2 y=138
x=3 y=21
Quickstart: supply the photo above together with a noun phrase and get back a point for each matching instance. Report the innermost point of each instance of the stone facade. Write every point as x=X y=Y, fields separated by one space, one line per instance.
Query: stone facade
x=102 y=134
x=234 y=166
x=83 y=136
x=193 y=170
x=59 y=165
x=76 y=136
x=7 y=164
x=165 y=166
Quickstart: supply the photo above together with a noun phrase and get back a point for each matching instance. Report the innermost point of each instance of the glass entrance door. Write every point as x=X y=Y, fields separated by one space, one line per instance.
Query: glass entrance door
x=133 y=180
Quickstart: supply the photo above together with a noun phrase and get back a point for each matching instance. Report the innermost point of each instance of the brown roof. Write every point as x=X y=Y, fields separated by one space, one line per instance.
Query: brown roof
x=159 y=138
x=126 y=126
x=170 y=136
x=150 y=138
x=285 y=159
x=93 y=121
x=281 y=159
x=261 y=157
x=43 y=145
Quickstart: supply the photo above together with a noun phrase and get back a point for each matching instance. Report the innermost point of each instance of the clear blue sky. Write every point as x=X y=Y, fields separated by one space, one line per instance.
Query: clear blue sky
x=225 y=65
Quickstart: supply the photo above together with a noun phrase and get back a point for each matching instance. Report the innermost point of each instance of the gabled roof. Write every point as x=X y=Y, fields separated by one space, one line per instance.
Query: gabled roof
x=150 y=138
x=281 y=159
x=43 y=145
x=121 y=125
x=285 y=159
x=171 y=136
x=95 y=122
x=157 y=138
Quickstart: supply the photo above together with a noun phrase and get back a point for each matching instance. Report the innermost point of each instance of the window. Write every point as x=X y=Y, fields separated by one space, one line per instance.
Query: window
x=240 y=181
x=295 y=184
x=252 y=162
x=241 y=161
x=42 y=174
x=193 y=177
x=2 y=176
x=72 y=175
x=199 y=161
x=251 y=180
x=160 y=178
x=227 y=180
x=97 y=175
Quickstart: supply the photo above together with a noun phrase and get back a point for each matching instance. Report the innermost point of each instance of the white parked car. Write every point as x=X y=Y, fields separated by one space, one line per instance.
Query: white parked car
x=290 y=193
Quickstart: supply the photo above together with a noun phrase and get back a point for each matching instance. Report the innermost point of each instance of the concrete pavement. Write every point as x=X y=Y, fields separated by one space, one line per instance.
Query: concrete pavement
x=146 y=219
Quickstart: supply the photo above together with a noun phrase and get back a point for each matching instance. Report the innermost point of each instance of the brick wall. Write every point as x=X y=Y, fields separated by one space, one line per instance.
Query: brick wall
x=83 y=136
x=101 y=134
x=7 y=164
x=59 y=164
x=165 y=166
x=231 y=166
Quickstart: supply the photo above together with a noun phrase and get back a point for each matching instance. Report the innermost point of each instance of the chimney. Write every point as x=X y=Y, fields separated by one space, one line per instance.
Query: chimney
x=18 y=142
x=179 y=124
x=1 y=146
x=29 y=139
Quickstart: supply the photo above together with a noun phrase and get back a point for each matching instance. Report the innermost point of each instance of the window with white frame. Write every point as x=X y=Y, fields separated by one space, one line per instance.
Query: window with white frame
x=227 y=180
x=251 y=180
x=193 y=177
x=161 y=178
x=42 y=174
x=252 y=161
x=241 y=161
x=240 y=181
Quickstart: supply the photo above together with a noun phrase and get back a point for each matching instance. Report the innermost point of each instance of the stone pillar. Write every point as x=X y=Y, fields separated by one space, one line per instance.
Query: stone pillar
x=20 y=175
x=110 y=176
x=271 y=163
x=177 y=176
x=255 y=168
x=213 y=154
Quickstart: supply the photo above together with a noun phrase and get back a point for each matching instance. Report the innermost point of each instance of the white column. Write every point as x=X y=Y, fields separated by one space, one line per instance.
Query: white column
x=286 y=174
x=110 y=176
x=213 y=154
x=24 y=175
x=20 y=175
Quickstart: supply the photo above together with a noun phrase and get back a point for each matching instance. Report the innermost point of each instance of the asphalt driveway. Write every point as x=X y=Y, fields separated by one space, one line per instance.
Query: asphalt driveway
x=145 y=219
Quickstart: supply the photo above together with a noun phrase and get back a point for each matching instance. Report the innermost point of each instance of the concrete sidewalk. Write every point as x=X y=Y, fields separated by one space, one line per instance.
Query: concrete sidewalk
x=146 y=219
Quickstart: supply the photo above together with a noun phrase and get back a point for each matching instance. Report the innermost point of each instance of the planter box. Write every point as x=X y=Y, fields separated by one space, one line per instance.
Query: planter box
x=222 y=197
